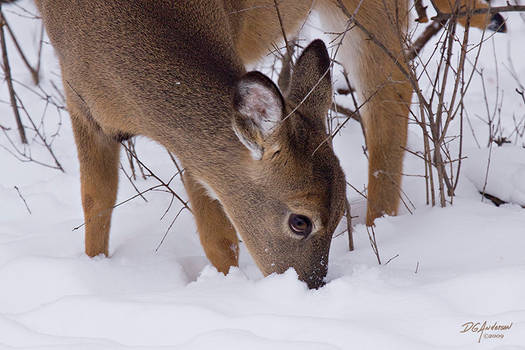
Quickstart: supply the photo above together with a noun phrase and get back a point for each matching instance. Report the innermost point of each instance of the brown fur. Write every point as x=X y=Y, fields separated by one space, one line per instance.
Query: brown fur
x=170 y=70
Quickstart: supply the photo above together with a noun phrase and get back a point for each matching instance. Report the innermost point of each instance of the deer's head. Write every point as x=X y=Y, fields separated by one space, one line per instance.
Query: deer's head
x=293 y=193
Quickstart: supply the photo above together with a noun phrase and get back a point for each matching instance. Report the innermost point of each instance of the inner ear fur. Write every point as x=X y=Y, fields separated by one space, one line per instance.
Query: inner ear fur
x=260 y=108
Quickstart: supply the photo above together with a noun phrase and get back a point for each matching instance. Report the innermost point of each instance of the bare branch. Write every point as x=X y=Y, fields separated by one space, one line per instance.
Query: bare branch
x=7 y=73
x=23 y=199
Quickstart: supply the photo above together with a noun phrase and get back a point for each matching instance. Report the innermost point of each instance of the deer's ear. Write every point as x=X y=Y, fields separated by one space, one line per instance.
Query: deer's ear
x=260 y=108
x=311 y=85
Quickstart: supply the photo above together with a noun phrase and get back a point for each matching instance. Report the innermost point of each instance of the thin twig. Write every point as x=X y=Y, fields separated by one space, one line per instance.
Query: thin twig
x=23 y=199
x=131 y=182
x=392 y=258
x=165 y=185
x=7 y=72
x=33 y=71
x=168 y=229
x=41 y=136
x=373 y=243
x=349 y=226
x=429 y=32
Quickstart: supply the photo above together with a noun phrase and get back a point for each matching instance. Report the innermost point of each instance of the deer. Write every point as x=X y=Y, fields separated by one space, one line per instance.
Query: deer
x=257 y=163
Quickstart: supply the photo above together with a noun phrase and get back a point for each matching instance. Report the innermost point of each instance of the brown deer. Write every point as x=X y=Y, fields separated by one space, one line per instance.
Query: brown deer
x=257 y=164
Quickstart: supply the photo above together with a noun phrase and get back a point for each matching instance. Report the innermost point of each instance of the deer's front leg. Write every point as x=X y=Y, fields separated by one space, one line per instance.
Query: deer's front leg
x=217 y=235
x=99 y=157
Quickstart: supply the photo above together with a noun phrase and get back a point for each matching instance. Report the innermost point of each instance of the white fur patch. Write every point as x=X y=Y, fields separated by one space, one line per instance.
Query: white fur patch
x=254 y=148
x=209 y=191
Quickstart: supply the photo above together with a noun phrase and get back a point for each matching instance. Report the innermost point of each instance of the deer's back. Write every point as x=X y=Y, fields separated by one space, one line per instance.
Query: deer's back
x=114 y=52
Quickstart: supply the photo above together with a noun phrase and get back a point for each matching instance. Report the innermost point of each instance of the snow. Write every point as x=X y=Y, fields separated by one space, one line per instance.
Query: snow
x=505 y=175
x=446 y=266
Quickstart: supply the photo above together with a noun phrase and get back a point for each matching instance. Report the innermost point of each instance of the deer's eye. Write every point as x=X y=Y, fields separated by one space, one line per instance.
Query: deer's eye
x=300 y=225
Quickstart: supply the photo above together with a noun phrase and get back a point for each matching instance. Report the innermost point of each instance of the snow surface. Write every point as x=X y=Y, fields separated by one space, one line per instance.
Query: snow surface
x=464 y=263
x=503 y=175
